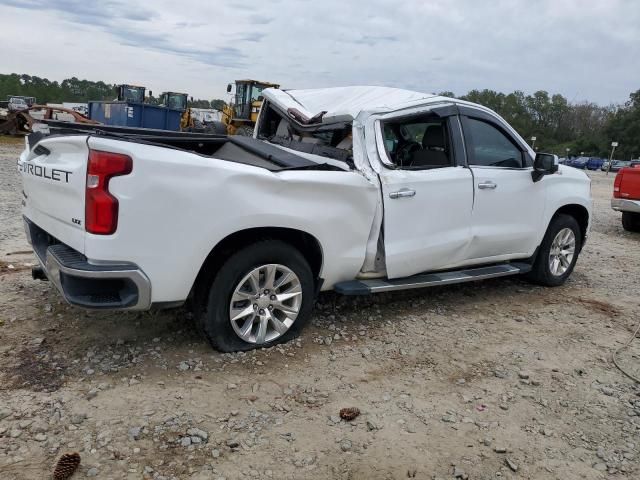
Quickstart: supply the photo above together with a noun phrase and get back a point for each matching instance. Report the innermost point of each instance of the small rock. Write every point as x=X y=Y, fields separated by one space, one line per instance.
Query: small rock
x=196 y=432
x=78 y=418
x=37 y=341
x=4 y=413
x=449 y=419
x=601 y=467
x=231 y=386
x=500 y=449
x=459 y=473
x=92 y=472
x=40 y=437
x=523 y=375
x=183 y=366
x=607 y=391
x=345 y=445
x=215 y=453
x=93 y=393
x=371 y=426
x=185 y=441
x=511 y=465
x=134 y=432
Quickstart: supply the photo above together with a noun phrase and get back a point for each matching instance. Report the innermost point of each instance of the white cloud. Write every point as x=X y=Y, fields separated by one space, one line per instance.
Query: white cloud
x=584 y=50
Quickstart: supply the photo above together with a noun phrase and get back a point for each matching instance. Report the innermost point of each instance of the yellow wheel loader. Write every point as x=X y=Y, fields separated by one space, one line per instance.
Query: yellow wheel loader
x=241 y=115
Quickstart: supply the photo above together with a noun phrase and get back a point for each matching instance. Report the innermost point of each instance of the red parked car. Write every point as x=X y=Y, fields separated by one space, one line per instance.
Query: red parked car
x=626 y=197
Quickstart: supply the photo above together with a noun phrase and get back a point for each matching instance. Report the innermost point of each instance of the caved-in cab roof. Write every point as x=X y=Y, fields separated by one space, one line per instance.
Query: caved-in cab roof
x=343 y=104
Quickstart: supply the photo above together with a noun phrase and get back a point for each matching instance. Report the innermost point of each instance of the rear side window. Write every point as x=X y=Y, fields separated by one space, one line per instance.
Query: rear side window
x=490 y=147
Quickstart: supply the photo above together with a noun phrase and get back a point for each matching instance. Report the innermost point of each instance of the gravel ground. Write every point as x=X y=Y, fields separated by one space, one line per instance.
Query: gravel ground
x=498 y=379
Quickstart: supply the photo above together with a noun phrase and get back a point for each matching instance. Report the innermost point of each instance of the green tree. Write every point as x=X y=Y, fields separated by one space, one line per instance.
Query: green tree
x=218 y=104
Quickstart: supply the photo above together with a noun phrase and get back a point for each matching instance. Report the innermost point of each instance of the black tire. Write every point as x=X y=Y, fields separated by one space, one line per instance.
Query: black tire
x=631 y=221
x=541 y=271
x=212 y=309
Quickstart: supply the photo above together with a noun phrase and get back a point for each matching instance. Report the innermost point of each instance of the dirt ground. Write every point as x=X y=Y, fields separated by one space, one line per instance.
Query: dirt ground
x=493 y=380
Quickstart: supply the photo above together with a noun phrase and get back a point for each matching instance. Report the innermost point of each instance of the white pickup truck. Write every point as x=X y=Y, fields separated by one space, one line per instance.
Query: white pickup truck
x=356 y=189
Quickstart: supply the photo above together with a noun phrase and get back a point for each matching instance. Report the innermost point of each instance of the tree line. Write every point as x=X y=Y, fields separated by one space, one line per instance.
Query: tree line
x=560 y=126
x=73 y=90
x=584 y=128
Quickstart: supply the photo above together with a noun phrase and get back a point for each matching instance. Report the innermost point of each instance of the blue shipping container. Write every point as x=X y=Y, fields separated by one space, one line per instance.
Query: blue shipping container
x=140 y=115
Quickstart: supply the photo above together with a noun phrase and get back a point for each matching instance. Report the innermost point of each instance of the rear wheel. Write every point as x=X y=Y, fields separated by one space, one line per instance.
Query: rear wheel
x=631 y=221
x=261 y=296
x=558 y=252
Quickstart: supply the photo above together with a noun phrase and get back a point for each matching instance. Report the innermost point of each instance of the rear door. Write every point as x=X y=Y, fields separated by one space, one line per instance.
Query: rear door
x=427 y=194
x=508 y=205
x=54 y=177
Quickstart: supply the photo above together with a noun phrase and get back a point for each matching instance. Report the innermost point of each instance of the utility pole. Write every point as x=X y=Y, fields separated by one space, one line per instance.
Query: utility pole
x=613 y=149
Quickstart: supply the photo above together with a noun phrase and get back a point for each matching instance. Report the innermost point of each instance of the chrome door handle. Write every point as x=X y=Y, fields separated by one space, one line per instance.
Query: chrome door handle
x=489 y=184
x=405 y=192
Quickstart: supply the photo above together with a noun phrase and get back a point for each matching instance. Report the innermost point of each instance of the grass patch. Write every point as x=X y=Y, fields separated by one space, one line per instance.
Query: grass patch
x=11 y=140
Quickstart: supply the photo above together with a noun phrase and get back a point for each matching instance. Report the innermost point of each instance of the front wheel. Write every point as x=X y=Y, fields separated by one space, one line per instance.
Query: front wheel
x=558 y=252
x=261 y=296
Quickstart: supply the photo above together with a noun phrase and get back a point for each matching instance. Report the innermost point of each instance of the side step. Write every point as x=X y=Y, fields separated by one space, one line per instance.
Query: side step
x=365 y=287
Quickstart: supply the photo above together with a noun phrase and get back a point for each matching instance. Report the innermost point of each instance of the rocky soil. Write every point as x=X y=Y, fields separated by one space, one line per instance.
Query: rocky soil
x=494 y=380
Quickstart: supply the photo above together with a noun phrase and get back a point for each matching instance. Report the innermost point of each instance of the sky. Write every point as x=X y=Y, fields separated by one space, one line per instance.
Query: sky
x=583 y=49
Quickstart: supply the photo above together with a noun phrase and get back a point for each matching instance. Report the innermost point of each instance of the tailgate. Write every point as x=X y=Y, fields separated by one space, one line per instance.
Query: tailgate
x=630 y=183
x=54 y=177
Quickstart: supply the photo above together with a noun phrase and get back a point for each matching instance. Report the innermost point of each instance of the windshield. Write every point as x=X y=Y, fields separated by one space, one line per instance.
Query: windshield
x=177 y=102
x=133 y=94
x=256 y=92
x=18 y=101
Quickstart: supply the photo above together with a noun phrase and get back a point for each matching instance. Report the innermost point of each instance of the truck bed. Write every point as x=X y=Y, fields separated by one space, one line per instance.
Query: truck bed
x=246 y=150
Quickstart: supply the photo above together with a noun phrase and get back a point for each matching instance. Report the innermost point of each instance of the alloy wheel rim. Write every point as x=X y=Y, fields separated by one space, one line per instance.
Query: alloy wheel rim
x=562 y=251
x=265 y=303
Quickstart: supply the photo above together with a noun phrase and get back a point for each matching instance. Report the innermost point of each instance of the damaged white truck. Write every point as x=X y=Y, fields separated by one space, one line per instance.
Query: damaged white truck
x=356 y=189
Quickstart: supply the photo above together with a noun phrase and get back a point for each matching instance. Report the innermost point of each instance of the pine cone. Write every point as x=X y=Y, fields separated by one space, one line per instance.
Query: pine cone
x=66 y=466
x=349 y=414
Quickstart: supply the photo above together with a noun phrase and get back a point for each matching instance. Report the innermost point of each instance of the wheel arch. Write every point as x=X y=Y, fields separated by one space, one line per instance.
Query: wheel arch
x=580 y=213
x=306 y=243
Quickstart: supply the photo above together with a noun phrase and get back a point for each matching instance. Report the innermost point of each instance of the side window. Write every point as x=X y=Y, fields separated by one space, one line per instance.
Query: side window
x=418 y=143
x=490 y=147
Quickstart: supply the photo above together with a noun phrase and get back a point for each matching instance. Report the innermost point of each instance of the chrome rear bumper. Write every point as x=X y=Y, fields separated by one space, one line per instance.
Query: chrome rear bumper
x=625 y=205
x=104 y=286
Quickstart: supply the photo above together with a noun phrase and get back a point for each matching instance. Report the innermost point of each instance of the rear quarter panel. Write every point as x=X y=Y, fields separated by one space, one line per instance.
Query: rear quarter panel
x=176 y=206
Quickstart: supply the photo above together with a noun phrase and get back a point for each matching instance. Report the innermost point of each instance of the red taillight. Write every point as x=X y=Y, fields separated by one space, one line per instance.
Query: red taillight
x=616 y=184
x=101 y=208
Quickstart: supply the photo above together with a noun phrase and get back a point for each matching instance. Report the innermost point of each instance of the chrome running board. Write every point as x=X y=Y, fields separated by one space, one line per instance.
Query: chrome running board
x=377 y=285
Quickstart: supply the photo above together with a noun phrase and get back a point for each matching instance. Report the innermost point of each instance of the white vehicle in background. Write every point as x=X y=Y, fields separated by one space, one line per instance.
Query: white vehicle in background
x=354 y=189
x=17 y=104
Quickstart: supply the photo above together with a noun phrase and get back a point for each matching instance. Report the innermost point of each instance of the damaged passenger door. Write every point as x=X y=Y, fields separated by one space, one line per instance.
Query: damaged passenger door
x=427 y=193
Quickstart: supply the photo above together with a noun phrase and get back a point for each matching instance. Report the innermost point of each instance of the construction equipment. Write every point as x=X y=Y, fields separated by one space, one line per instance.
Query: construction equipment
x=241 y=115
x=130 y=110
x=131 y=93
x=178 y=101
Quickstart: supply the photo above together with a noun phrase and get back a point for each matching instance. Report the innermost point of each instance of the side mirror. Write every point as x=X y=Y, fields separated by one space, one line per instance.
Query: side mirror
x=544 y=164
x=228 y=88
